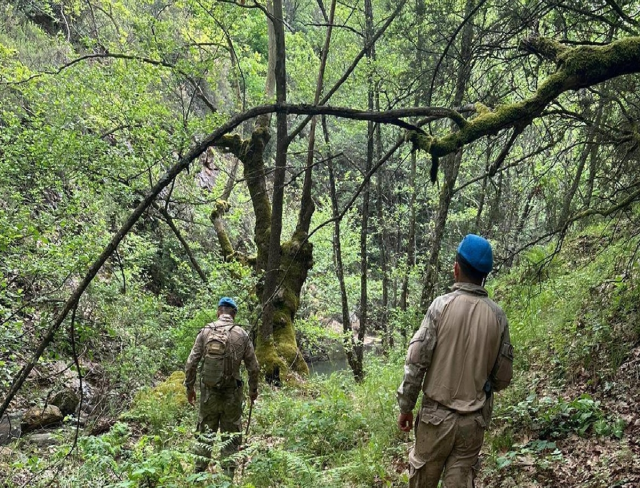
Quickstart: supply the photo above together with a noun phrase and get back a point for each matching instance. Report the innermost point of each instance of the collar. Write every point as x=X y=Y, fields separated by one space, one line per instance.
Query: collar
x=225 y=317
x=470 y=288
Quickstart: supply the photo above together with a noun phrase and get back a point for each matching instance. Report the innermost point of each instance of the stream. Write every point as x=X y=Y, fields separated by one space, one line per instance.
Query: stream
x=338 y=358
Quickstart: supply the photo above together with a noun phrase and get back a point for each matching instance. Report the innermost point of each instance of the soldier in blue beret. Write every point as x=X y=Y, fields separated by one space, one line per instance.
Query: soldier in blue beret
x=460 y=355
x=221 y=346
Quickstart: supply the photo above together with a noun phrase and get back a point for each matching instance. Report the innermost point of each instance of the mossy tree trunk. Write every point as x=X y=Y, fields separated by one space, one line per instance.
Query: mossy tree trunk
x=285 y=265
x=277 y=351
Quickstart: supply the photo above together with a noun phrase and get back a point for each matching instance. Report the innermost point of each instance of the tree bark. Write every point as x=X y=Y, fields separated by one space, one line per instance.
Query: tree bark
x=451 y=168
x=347 y=339
x=358 y=370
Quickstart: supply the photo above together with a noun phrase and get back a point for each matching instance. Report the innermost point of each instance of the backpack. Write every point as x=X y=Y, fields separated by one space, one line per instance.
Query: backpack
x=217 y=368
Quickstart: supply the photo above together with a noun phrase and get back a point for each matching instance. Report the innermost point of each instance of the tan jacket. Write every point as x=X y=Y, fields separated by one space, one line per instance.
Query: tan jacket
x=241 y=347
x=455 y=350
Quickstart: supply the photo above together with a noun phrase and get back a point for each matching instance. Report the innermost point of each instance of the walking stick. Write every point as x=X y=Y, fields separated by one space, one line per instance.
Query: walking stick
x=249 y=419
x=246 y=435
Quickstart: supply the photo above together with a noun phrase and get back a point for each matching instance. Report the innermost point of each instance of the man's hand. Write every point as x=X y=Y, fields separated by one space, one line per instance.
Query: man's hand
x=253 y=396
x=405 y=421
x=191 y=396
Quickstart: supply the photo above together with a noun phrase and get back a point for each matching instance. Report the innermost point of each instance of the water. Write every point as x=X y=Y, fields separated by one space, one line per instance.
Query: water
x=338 y=358
x=337 y=362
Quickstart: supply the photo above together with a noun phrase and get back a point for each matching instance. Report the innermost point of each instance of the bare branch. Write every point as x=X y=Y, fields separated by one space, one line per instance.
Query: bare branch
x=621 y=13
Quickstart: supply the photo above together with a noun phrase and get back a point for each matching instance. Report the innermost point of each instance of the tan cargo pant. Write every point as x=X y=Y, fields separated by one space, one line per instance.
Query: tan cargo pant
x=447 y=441
x=219 y=409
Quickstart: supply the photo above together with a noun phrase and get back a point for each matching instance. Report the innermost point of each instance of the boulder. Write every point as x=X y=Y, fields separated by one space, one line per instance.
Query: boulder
x=66 y=400
x=42 y=440
x=41 y=417
x=101 y=426
x=9 y=428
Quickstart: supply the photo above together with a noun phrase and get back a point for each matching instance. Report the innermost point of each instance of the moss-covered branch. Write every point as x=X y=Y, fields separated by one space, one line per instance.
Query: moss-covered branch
x=231 y=143
x=578 y=67
x=221 y=207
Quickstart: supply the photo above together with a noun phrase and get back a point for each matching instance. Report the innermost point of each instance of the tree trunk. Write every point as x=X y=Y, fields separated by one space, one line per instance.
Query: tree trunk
x=451 y=169
x=358 y=369
x=589 y=150
x=387 y=333
x=411 y=236
x=276 y=347
x=347 y=339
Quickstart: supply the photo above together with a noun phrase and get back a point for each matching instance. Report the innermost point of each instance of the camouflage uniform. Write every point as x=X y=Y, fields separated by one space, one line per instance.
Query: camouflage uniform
x=221 y=408
x=461 y=346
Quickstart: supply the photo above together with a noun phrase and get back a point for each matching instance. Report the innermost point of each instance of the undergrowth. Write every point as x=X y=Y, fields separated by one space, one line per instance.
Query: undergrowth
x=324 y=432
x=574 y=320
x=573 y=323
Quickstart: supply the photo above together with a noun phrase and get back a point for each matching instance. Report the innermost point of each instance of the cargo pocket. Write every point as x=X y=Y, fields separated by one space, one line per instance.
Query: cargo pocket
x=433 y=435
x=432 y=413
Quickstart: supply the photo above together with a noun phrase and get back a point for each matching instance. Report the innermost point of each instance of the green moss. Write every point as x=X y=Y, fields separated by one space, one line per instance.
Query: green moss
x=220 y=208
x=481 y=108
x=291 y=300
x=281 y=349
x=281 y=318
x=550 y=48
x=593 y=63
x=287 y=347
x=268 y=357
x=162 y=405
x=172 y=386
x=231 y=142
x=419 y=140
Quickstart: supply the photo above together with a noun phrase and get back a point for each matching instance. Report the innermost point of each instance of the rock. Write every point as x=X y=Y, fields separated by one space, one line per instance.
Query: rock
x=9 y=428
x=66 y=400
x=38 y=417
x=82 y=419
x=101 y=426
x=43 y=440
x=9 y=455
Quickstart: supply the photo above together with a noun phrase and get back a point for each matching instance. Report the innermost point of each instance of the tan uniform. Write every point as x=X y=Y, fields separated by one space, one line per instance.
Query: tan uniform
x=451 y=358
x=221 y=408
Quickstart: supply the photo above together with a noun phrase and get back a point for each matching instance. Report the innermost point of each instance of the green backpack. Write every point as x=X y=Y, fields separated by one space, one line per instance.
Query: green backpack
x=217 y=368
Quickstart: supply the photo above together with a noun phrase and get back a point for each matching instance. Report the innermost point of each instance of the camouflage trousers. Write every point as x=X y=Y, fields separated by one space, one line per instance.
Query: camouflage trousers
x=220 y=409
x=445 y=440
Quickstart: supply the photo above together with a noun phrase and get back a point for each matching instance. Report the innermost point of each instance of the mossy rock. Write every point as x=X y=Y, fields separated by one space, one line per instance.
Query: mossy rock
x=160 y=405
x=172 y=386
x=66 y=400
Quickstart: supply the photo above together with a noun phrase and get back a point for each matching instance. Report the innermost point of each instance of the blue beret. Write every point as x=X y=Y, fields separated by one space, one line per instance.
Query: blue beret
x=228 y=302
x=476 y=251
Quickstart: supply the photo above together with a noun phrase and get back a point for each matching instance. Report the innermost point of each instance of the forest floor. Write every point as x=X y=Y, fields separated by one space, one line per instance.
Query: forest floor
x=551 y=440
x=565 y=457
x=571 y=417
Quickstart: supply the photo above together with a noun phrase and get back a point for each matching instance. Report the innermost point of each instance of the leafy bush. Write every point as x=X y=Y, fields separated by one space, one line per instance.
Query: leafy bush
x=555 y=418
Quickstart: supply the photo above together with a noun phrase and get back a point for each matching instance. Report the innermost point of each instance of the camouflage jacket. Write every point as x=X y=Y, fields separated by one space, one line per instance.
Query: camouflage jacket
x=455 y=351
x=242 y=350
